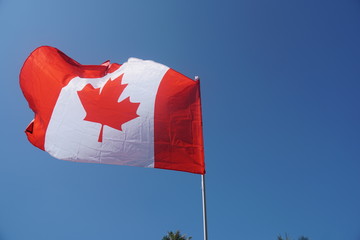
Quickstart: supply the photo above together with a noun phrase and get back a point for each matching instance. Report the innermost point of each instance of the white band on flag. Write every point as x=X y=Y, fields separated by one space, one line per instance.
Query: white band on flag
x=70 y=137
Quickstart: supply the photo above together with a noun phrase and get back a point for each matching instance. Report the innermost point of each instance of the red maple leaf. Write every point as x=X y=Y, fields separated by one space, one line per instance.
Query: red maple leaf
x=102 y=106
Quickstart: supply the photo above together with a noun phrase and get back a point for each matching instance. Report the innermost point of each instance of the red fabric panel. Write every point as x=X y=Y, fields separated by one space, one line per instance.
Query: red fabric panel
x=178 y=125
x=45 y=72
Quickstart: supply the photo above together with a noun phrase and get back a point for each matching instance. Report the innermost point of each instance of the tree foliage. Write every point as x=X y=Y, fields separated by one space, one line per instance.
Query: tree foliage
x=175 y=236
x=288 y=238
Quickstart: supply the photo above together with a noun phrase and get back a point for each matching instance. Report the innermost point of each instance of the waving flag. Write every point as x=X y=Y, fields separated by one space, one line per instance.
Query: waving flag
x=140 y=113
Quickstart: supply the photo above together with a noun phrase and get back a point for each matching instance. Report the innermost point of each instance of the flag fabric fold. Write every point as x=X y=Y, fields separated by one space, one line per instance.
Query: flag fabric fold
x=140 y=113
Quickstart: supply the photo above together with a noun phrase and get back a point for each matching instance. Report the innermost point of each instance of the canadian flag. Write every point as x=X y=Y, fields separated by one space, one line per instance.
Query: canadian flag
x=140 y=113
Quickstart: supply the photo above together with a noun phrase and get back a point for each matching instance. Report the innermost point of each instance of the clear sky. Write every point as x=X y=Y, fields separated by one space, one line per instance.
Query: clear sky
x=280 y=91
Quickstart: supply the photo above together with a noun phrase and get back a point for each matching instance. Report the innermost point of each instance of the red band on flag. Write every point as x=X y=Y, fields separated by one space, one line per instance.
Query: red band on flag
x=178 y=124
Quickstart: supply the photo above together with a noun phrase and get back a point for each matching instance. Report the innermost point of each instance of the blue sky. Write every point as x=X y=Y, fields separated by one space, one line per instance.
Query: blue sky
x=280 y=93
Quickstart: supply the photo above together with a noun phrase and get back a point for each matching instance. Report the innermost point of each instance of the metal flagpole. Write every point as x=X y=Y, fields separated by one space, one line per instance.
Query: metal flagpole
x=204 y=206
x=197 y=78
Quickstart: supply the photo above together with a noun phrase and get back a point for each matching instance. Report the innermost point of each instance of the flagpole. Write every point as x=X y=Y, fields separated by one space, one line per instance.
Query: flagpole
x=197 y=78
x=204 y=206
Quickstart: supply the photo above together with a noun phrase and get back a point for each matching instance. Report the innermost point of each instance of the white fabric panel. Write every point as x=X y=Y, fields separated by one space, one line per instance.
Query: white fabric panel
x=69 y=137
